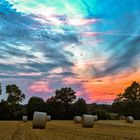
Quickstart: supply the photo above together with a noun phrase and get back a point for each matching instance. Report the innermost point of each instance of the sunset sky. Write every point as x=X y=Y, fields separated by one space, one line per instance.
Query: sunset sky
x=92 y=46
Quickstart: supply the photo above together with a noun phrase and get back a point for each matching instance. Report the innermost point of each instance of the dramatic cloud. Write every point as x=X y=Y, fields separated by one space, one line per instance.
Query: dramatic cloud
x=92 y=46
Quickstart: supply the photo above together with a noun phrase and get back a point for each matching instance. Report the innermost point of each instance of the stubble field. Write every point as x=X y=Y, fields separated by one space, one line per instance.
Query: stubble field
x=67 y=130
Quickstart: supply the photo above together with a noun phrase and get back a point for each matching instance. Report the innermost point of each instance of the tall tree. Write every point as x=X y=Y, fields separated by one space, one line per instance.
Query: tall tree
x=15 y=95
x=130 y=95
x=35 y=104
x=80 y=107
x=54 y=108
x=128 y=103
x=65 y=95
x=4 y=110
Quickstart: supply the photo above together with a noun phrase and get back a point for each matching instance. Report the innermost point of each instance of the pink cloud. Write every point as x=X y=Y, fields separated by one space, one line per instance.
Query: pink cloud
x=81 y=21
x=40 y=86
x=57 y=20
x=29 y=74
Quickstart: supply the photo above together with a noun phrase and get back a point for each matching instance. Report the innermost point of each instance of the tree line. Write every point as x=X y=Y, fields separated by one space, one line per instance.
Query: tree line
x=65 y=105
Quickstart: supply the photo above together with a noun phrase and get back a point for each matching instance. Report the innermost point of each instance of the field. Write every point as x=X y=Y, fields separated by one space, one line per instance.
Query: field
x=67 y=130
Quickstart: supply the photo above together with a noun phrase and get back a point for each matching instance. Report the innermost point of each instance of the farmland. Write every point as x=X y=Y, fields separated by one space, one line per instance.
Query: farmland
x=67 y=130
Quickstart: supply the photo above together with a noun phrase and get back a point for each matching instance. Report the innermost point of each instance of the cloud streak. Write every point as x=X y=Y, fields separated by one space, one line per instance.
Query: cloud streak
x=83 y=44
x=22 y=36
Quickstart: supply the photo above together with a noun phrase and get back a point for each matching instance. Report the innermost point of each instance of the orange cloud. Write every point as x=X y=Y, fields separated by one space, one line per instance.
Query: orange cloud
x=108 y=88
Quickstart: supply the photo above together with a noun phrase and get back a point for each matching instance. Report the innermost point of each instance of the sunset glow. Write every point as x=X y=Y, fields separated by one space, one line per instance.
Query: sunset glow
x=92 y=46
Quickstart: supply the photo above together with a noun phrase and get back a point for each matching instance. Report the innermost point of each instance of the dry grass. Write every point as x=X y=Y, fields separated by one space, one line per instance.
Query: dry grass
x=67 y=130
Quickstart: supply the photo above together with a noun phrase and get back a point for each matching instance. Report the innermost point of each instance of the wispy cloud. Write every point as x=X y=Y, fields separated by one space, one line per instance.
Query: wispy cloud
x=84 y=44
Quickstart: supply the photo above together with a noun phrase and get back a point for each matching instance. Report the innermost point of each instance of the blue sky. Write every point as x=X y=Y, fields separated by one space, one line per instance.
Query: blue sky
x=90 y=45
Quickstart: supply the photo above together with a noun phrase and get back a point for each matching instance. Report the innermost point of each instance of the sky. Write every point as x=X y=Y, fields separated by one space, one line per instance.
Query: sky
x=92 y=46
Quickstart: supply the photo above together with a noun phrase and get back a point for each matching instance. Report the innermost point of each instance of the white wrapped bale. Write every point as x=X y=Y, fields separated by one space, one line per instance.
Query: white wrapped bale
x=39 y=120
x=48 y=117
x=24 y=118
x=95 y=117
x=122 y=117
x=77 y=119
x=87 y=121
x=129 y=119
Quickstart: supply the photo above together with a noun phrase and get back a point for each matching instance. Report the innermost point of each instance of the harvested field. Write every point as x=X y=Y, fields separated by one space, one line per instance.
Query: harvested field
x=67 y=130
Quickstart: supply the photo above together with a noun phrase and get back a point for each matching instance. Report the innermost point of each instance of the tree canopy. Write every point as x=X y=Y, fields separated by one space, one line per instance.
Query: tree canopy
x=64 y=105
x=80 y=107
x=15 y=95
x=35 y=104
x=65 y=95
x=130 y=95
x=128 y=103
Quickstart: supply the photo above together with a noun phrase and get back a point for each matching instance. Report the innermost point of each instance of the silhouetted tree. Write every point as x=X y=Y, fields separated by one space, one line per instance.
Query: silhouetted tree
x=128 y=103
x=20 y=110
x=54 y=108
x=15 y=95
x=80 y=107
x=35 y=104
x=4 y=110
x=65 y=97
x=60 y=106
x=101 y=110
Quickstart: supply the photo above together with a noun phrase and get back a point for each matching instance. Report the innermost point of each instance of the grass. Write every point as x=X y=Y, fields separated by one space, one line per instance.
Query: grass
x=67 y=130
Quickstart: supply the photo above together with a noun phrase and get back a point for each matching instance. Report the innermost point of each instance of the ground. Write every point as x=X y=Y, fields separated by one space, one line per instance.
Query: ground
x=67 y=130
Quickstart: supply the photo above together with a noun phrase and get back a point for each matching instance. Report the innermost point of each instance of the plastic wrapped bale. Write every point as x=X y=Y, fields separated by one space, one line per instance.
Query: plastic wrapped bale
x=129 y=119
x=87 y=121
x=39 y=120
x=122 y=117
x=95 y=117
x=24 y=118
x=48 y=117
x=77 y=119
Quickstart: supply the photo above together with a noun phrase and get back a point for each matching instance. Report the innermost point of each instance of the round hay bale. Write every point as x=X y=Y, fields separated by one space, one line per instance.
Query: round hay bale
x=77 y=119
x=39 y=120
x=48 y=117
x=129 y=119
x=122 y=117
x=87 y=121
x=95 y=117
x=24 y=118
